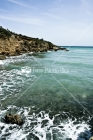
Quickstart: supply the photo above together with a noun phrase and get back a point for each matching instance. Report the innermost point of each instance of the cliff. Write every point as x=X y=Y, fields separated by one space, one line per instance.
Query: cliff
x=15 y=44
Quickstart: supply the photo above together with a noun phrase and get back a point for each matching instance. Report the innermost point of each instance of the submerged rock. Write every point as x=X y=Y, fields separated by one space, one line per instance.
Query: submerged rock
x=14 y=119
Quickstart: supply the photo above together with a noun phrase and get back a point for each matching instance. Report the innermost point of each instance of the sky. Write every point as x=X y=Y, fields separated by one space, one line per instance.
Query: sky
x=63 y=22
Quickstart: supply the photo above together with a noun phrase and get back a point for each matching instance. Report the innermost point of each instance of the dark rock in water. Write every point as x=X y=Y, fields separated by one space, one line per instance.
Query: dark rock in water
x=67 y=50
x=62 y=48
x=55 y=48
x=14 y=119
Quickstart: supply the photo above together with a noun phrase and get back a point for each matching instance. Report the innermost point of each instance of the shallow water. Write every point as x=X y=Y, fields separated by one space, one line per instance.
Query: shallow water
x=53 y=92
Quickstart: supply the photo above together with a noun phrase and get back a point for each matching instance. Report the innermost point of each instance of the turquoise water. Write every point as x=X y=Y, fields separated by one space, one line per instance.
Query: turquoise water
x=53 y=91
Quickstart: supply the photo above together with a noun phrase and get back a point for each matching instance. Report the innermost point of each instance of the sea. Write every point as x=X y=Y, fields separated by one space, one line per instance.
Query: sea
x=52 y=92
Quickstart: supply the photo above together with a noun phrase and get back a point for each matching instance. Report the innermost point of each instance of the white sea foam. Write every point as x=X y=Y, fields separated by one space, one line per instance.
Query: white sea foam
x=30 y=53
x=48 y=51
x=12 y=81
x=26 y=70
x=42 y=127
x=14 y=59
x=1 y=62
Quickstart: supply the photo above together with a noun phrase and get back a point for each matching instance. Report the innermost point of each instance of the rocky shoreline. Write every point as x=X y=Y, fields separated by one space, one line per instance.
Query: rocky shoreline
x=12 y=44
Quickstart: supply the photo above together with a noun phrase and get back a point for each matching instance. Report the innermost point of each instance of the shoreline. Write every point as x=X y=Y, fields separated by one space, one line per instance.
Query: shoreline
x=12 y=44
x=4 y=56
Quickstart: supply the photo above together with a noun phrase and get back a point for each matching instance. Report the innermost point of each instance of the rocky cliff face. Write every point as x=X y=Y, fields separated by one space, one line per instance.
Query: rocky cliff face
x=16 y=44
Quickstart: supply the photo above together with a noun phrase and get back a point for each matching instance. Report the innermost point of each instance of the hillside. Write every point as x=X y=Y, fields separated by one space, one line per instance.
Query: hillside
x=15 y=44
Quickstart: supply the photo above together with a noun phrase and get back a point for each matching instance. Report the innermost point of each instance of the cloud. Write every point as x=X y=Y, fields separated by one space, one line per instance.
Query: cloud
x=86 y=7
x=25 y=20
x=58 y=1
x=3 y=10
x=52 y=16
x=84 y=2
x=21 y=4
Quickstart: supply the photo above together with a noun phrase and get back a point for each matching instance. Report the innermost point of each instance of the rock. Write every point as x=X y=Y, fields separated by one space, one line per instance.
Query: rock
x=16 y=44
x=14 y=119
x=91 y=138
x=2 y=57
x=55 y=48
x=62 y=48
x=67 y=50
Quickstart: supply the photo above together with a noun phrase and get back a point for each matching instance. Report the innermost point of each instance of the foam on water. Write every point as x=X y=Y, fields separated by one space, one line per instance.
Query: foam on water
x=26 y=70
x=40 y=126
x=48 y=51
x=1 y=62
x=13 y=80
x=14 y=59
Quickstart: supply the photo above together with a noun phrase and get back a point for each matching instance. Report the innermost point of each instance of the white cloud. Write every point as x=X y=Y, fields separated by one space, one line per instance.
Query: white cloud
x=57 y=1
x=86 y=7
x=84 y=3
x=3 y=10
x=26 y=20
x=52 y=16
x=60 y=22
x=21 y=4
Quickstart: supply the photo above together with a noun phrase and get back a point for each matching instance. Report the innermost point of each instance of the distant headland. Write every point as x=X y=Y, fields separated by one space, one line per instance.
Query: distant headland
x=13 y=44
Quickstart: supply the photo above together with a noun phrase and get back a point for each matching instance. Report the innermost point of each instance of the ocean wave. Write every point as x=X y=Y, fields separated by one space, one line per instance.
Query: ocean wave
x=12 y=81
x=41 y=126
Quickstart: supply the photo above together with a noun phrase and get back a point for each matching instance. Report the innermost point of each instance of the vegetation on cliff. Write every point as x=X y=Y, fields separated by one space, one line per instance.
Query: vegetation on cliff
x=15 y=44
